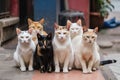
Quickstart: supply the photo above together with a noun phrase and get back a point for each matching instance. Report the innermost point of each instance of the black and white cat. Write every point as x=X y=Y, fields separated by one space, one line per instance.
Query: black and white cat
x=43 y=57
x=23 y=55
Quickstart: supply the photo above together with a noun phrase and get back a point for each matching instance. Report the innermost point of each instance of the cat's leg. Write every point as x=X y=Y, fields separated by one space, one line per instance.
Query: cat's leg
x=30 y=67
x=22 y=64
x=90 y=65
x=96 y=65
x=71 y=62
x=16 y=59
x=66 y=63
x=56 y=61
x=83 y=64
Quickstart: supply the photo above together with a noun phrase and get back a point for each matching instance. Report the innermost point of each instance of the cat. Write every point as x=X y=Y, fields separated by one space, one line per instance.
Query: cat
x=76 y=32
x=23 y=55
x=75 y=28
x=62 y=47
x=37 y=27
x=89 y=56
x=43 y=57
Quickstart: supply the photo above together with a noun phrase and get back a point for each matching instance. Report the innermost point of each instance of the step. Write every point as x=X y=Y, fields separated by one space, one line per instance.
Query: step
x=72 y=75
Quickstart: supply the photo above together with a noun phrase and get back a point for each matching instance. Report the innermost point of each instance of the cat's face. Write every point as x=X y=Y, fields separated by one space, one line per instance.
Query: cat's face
x=90 y=36
x=37 y=26
x=44 y=41
x=75 y=28
x=61 y=32
x=24 y=36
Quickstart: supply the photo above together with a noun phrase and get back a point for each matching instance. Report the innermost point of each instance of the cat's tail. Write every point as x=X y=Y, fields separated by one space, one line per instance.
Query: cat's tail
x=104 y=62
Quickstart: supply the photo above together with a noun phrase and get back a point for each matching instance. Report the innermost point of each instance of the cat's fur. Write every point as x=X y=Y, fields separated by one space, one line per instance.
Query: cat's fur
x=25 y=49
x=43 y=57
x=37 y=27
x=89 y=55
x=75 y=28
x=62 y=47
x=76 y=32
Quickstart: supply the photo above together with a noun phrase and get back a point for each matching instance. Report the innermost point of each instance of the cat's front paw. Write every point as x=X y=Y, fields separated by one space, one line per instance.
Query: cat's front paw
x=65 y=70
x=23 y=68
x=30 y=68
x=89 y=71
x=85 y=71
x=57 y=70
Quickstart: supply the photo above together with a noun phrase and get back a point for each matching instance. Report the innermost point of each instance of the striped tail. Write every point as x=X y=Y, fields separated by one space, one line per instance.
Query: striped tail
x=104 y=62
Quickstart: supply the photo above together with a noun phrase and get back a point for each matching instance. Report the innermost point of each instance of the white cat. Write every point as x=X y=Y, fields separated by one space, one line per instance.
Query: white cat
x=62 y=47
x=76 y=32
x=89 y=55
x=75 y=28
x=25 y=49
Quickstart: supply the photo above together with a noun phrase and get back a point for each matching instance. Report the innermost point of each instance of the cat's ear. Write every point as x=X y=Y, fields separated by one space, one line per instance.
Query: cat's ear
x=42 y=21
x=96 y=30
x=29 y=21
x=68 y=24
x=39 y=36
x=85 y=29
x=56 y=26
x=79 y=22
x=30 y=30
x=18 y=31
x=49 y=36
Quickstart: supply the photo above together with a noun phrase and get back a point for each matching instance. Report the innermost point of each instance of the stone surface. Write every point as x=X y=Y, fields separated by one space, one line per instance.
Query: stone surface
x=105 y=44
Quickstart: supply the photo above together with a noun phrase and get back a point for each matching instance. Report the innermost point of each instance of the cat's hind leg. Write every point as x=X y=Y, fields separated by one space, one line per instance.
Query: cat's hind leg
x=17 y=62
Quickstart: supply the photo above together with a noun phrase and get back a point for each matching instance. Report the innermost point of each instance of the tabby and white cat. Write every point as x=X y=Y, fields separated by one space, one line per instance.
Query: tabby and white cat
x=62 y=47
x=23 y=55
x=89 y=55
x=37 y=27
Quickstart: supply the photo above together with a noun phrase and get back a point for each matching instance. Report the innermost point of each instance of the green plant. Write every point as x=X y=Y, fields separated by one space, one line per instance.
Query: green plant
x=104 y=7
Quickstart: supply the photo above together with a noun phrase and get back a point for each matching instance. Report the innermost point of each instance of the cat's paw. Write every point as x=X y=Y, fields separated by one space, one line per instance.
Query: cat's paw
x=23 y=68
x=70 y=68
x=65 y=70
x=57 y=70
x=30 y=68
x=89 y=71
x=94 y=69
x=85 y=71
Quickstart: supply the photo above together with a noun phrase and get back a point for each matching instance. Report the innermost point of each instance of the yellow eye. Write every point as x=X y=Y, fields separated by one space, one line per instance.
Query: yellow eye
x=59 y=33
x=33 y=27
x=64 y=33
x=38 y=27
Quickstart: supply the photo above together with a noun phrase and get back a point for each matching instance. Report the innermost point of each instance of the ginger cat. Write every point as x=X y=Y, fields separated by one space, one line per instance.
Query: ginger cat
x=89 y=55
x=62 y=47
x=37 y=27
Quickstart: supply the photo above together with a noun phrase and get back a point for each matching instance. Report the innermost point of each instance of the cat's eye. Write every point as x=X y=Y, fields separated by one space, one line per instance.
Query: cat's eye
x=93 y=37
x=22 y=37
x=59 y=33
x=87 y=36
x=27 y=36
x=33 y=27
x=38 y=27
x=64 y=33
